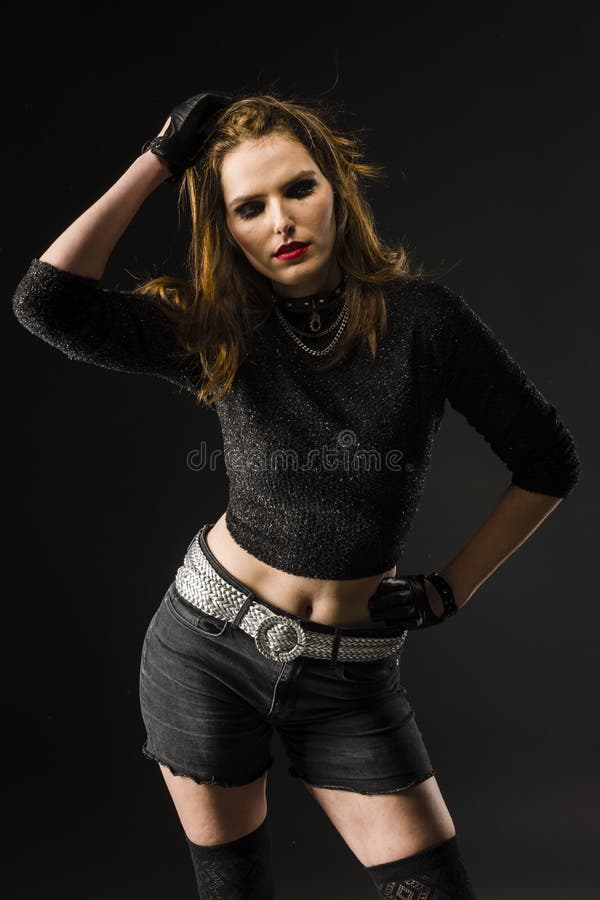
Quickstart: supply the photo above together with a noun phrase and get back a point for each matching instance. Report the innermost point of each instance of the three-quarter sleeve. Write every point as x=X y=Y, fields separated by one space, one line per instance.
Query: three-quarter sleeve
x=114 y=329
x=484 y=383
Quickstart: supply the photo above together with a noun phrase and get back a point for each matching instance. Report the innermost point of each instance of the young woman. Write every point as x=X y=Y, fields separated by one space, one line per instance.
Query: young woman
x=328 y=358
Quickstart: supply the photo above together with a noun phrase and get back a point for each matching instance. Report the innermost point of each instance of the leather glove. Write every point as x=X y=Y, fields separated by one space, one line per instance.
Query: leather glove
x=401 y=600
x=187 y=132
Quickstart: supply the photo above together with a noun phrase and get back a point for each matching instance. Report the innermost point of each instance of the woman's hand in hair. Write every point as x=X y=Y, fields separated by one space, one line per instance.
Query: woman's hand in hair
x=186 y=131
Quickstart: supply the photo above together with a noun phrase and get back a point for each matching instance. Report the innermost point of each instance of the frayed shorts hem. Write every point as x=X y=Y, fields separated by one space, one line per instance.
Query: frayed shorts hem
x=344 y=787
x=202 y=779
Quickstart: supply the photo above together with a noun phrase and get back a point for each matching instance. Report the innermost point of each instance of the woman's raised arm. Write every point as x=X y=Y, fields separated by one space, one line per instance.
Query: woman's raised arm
x=84 y=248
x=59 y=298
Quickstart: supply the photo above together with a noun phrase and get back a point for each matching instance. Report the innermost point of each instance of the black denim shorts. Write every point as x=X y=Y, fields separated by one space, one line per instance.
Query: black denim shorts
x=210 y=701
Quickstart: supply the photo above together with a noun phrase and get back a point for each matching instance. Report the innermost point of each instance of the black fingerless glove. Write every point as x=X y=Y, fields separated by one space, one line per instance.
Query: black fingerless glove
x=190 y=126
x=401 y=600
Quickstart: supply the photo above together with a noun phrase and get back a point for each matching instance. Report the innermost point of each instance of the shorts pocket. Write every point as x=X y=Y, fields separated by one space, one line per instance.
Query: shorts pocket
x=195 y=620
x=368 y=671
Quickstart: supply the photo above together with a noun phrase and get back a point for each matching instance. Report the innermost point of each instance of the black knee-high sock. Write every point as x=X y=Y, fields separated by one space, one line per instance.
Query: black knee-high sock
x=238 y=870
x=437 y=873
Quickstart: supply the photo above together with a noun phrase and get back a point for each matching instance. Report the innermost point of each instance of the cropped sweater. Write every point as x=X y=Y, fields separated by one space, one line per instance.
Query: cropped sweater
x=326 y=469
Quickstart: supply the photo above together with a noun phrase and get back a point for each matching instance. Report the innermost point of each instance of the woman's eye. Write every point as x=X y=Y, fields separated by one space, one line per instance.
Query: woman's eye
x=303 y=187
x=246 y=212
x=300 y=189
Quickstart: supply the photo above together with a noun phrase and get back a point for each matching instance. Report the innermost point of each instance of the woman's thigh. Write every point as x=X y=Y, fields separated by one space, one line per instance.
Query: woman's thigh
x=380 y=828
x=211 y=814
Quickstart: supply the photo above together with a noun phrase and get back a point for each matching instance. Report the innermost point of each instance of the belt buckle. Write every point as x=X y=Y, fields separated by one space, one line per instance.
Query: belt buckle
x=286 y=631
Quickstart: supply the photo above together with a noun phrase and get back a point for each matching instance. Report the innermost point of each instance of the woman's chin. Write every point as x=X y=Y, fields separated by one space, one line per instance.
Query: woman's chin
x=301 y=280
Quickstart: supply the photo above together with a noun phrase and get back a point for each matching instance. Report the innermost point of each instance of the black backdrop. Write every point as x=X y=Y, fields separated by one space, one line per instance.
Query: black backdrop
x=484 y=116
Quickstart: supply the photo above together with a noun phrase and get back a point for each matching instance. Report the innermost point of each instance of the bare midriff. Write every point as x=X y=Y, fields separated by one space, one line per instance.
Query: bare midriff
x=329 y=602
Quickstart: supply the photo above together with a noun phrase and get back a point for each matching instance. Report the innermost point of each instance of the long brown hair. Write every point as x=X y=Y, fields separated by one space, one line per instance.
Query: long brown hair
x=225 y=298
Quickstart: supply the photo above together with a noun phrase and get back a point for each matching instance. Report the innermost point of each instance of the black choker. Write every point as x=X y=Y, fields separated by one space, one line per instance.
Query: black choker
x=312 y=301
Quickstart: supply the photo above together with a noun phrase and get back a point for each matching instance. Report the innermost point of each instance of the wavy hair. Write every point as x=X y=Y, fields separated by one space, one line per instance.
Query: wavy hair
x=215 y=310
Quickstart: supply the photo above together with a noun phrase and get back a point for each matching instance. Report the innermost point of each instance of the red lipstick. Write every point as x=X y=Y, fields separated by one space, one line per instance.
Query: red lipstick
x=291 y=250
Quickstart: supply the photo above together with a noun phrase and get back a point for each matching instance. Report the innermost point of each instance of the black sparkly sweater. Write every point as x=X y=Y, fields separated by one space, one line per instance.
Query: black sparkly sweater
x=326 y=469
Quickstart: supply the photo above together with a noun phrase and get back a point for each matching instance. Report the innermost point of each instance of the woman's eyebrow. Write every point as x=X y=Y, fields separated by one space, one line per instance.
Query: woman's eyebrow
x=301 y=174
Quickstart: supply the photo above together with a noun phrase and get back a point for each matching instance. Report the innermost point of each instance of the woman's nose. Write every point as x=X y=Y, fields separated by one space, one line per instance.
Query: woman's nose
x=282 y=221
x=285 y=229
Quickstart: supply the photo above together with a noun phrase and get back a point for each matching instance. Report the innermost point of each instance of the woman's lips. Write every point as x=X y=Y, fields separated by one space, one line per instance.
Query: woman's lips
x=292 y=254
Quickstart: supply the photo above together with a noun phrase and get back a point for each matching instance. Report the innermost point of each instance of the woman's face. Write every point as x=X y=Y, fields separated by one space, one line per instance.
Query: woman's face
x=275 y=193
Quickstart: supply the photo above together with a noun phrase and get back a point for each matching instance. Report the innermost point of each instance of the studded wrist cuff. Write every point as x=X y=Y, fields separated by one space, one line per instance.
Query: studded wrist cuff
x=445 y=592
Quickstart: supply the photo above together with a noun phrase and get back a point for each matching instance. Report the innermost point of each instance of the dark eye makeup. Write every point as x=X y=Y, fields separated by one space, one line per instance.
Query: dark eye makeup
x=300 y=189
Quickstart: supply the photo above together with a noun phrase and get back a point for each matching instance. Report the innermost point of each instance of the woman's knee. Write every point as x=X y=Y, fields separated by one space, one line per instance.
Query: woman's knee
x=238 y=870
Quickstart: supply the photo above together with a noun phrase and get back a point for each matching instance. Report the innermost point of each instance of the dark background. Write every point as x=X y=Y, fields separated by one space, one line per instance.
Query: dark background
x=485 y=118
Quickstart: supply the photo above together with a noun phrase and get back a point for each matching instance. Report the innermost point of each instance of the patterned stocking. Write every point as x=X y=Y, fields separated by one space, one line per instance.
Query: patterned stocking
x=437 y=873
x=238 y=870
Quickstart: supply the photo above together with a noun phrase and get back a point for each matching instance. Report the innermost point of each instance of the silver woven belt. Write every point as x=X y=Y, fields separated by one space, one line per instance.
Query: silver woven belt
x=278 y=637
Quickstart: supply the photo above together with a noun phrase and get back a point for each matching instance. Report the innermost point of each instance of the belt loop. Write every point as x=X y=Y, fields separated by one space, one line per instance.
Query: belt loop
x=335 y=644
x=242 y=610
